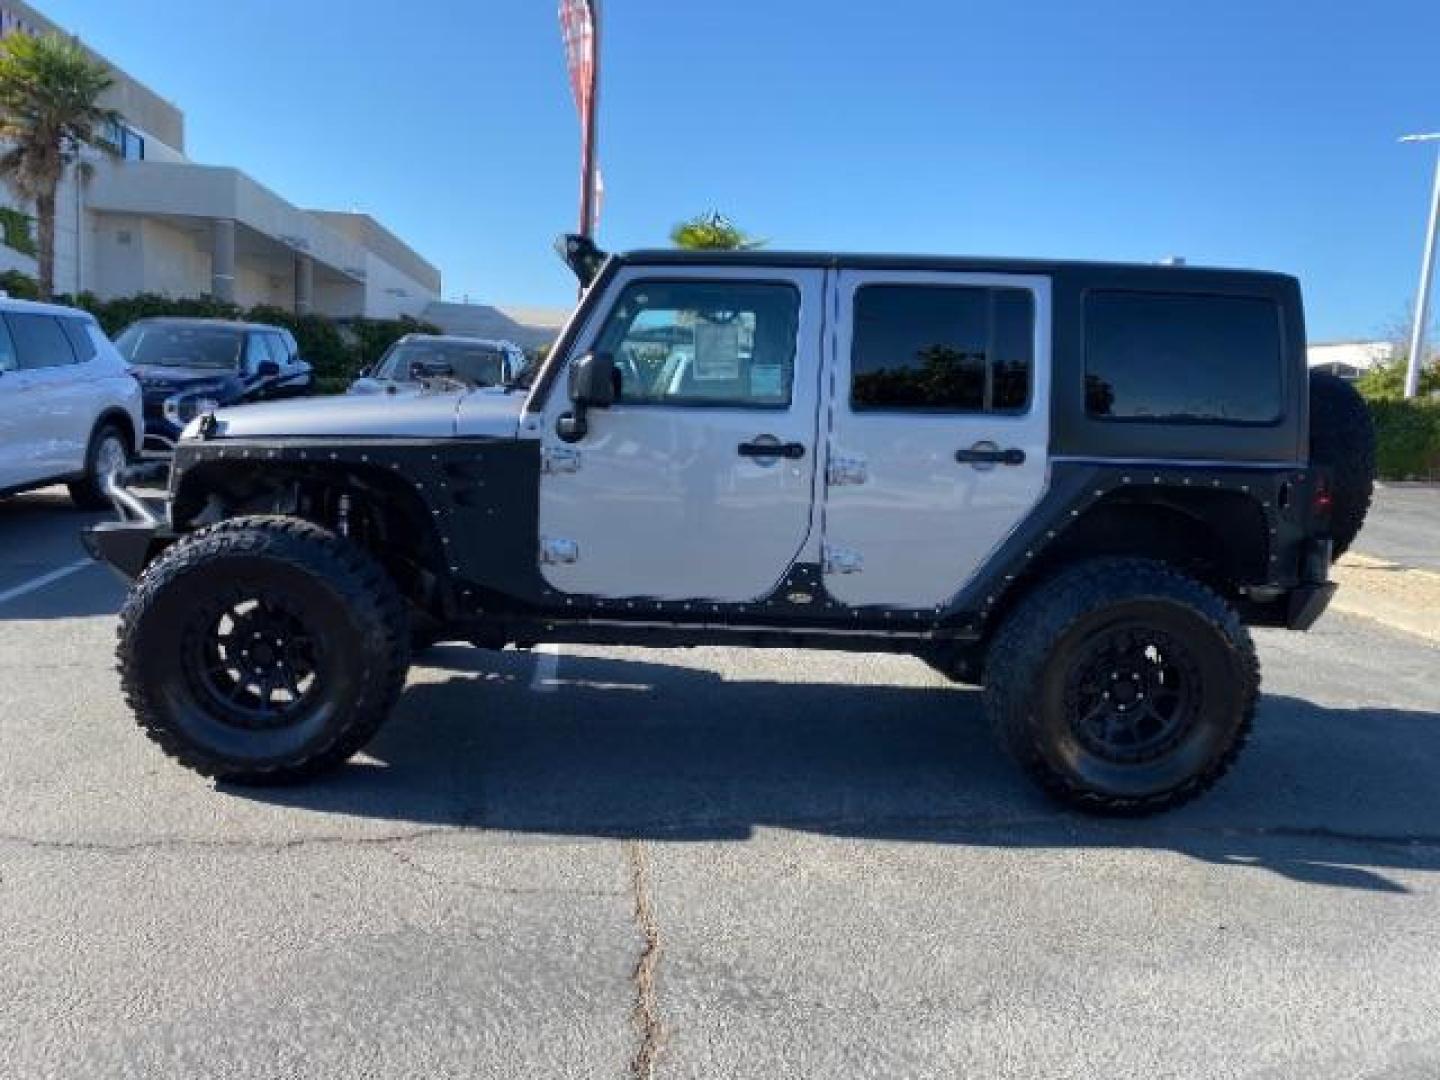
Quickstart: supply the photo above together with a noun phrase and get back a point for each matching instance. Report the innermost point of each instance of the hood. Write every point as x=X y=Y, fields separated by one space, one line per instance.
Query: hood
x=167 y=379
x=398 y=415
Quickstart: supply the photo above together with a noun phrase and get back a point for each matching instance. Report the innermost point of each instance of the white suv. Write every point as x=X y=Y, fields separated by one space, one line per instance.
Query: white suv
x=70 y=411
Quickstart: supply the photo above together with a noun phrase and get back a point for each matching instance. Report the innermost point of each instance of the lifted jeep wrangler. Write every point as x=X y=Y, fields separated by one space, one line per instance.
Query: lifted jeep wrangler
x=1074 y=484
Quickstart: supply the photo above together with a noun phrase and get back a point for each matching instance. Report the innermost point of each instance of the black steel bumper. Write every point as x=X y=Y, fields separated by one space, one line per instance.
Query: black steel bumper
x=141 y=532
x=1309 y=600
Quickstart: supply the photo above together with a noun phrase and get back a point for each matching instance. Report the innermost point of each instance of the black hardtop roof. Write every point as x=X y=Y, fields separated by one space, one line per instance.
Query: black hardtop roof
x=957 y=263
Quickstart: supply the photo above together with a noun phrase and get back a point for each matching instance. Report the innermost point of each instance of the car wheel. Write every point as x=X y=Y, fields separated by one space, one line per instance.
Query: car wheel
x=1122 y=686
x=263 y=650
x=109 y=452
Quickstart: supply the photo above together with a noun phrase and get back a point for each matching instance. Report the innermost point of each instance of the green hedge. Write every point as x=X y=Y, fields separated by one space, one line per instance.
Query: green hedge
x=1407 y=438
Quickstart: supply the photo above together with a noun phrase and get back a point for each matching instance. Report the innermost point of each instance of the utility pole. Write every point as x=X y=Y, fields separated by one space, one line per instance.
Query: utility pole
x=1427 y=271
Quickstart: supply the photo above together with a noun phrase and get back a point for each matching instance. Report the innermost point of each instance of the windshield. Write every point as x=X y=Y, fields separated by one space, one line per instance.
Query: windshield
x=477 y=365
x=182 y=346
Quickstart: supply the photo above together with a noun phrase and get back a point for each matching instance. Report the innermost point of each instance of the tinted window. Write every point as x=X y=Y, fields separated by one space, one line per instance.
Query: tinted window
x=80 y=340
x=181 y=345
x=477 y=364
x=39 y=341
x=1174 y=357
x=704 y=343
x=942 y=348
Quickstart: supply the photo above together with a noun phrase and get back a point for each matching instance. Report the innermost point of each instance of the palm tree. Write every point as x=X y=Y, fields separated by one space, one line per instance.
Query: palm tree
x=712 y=232
x=49 y=93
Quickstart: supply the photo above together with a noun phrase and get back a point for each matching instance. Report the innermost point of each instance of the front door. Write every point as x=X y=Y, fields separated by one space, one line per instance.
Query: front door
x=940 y=429
x=698 y=483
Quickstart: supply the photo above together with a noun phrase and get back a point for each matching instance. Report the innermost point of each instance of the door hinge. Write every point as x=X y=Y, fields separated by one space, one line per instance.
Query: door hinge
x=559 y=459
x=556 y=549
x=841 y=471
x=838 y=560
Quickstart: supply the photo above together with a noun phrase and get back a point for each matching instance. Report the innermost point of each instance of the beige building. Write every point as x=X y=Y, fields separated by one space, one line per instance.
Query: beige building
x=142 y=217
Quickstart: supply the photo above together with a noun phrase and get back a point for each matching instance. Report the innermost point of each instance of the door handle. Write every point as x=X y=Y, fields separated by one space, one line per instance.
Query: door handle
x=987 y=453
x=767 y=446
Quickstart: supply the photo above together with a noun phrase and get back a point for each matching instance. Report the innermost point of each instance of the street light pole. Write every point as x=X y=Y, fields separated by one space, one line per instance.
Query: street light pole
x=1427 y=270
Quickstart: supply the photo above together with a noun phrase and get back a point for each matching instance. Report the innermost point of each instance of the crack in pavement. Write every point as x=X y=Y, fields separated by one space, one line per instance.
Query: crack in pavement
x=646 y=1012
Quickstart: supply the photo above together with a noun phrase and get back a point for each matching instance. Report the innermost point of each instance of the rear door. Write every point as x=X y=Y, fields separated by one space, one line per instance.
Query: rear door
x=17 y=435
x=939 y=429
x=698 y=483
x=56 y=413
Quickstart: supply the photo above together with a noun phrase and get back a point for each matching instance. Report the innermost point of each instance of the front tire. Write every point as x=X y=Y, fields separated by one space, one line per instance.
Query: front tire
x=263 y=650
x=1122 y=686
x=109 y=452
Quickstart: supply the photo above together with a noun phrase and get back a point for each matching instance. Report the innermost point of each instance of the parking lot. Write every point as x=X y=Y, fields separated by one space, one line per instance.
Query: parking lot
x=705 y=863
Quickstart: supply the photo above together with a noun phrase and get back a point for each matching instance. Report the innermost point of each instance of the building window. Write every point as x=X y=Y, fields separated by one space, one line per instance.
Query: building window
x=121 y=140
x=1179 y=357
x=942 y=348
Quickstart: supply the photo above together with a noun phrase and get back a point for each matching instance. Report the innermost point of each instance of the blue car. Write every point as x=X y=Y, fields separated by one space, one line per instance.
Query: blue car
x=191 y=366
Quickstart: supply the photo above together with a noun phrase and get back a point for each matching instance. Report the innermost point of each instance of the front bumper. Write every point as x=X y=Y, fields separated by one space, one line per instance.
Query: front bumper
x=141 y=532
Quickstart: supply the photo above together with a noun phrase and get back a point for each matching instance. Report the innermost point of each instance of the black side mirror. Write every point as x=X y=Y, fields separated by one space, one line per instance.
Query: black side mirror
x=268 y=369
x=594 y=384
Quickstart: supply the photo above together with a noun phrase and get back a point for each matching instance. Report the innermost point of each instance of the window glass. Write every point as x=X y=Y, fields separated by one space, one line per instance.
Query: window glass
x=39 y=340
x=1182 y=357
x=181 y=345
x=477 y=364
x=942 y=348
x=8 y=360
x=255 y=352
x=706 y=343
x=80 y=340
x=278 y=352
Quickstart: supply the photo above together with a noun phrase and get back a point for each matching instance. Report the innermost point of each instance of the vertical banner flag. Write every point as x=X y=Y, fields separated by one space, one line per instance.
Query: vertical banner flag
x=577 y=27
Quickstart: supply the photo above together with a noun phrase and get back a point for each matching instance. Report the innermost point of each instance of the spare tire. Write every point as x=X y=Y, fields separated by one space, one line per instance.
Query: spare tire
x=1342 y=438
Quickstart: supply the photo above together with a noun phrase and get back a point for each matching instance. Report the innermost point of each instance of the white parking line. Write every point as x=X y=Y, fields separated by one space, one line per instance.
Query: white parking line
x=43 y=580
x=547 y=663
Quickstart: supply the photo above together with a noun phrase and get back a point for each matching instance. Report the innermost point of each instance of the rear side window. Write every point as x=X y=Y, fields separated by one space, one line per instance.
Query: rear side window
x=39 y=341
x=80 y=339
x=278 y=352
x=941 y=348
x=1174 y=357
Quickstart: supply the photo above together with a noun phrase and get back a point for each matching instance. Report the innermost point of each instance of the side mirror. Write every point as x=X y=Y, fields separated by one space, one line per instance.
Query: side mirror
x=268 y=369
x=593 y=380
x=594 y=384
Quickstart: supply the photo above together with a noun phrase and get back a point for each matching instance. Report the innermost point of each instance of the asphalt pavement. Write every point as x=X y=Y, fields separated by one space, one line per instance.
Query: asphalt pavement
x=1404 y=526
x=714 y=862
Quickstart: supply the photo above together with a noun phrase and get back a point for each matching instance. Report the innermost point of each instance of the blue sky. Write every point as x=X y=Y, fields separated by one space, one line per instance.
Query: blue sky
x=1235 y=132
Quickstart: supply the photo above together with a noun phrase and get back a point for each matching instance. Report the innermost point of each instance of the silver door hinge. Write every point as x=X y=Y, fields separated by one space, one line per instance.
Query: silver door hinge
x=556 y=549
x=559 y=459
x=841 y=471
x=838 y=560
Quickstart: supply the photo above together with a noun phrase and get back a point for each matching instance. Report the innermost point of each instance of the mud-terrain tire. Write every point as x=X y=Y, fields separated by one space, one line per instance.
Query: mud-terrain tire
x=263 y=650
x=1342 y=438
x=109 y=449
x=1057 y=671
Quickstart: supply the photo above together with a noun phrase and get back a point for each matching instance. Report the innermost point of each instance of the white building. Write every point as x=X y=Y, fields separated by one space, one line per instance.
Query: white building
x=145 y=218
x=1350 y=359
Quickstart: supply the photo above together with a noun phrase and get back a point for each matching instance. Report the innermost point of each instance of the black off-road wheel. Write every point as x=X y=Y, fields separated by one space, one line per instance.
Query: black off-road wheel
x=1342 y=438
x=263 y=650
x=109 y=452
x=1122 y=686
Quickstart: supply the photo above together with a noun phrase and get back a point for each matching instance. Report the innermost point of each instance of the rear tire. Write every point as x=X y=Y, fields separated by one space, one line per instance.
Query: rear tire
x=1122 y=686
x=1342 y=438
x=108 y=452
x=263 y=650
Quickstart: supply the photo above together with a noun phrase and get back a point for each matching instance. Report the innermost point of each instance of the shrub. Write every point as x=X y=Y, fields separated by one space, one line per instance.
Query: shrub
x=20 y=285
x=1386 y=381
x=374 y=336
x=1407 y=438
